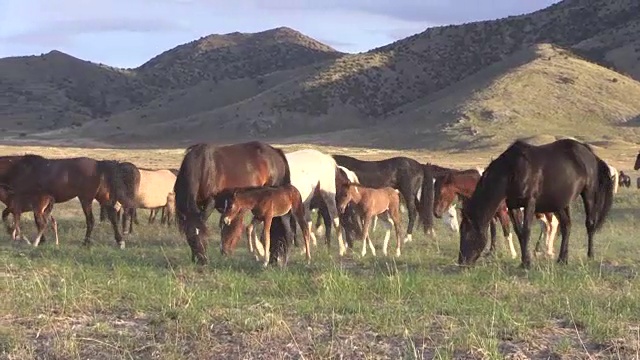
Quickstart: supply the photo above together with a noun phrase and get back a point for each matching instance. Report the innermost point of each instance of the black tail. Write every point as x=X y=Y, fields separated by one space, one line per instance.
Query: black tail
x=187 y=185
x=425 y=205
x=603 y=194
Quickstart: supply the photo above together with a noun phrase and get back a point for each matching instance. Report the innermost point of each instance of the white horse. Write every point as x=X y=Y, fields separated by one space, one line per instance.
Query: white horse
x=311 y=171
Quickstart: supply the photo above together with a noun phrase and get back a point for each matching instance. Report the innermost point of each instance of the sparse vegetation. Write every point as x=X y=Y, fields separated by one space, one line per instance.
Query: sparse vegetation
x=149 y=301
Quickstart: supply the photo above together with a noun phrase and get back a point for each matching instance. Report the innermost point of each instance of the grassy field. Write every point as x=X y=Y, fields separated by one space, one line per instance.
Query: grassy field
x=149 y=301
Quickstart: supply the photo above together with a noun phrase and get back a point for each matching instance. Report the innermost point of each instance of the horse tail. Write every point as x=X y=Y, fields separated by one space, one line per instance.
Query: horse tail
x=425 y=204
x=187 y=185
x=286 y=178
x=603 y=194
x=110 y=171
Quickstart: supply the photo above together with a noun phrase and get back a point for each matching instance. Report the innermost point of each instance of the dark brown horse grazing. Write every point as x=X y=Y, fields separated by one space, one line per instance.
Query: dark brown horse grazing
x=540 y=179
x=412 y=179
x=265 y=203
x=206 y=170
x=65 y=179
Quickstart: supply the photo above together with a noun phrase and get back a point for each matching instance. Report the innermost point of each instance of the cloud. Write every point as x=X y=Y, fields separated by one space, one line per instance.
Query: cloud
x=433 y=11
x=60 y=32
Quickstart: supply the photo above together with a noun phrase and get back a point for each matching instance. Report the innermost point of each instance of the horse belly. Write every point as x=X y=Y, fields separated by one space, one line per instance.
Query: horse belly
x=153 y=190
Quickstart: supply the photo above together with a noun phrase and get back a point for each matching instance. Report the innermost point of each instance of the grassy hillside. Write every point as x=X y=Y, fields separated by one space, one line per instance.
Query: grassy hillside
x=56 y=91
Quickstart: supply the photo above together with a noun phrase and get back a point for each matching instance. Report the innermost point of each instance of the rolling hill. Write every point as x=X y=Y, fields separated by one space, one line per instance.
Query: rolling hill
x=476 y=84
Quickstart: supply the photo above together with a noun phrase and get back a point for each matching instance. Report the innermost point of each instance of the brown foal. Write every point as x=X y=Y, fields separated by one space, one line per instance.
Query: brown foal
x=40 y=204
x=370 y=202
x=266 y=203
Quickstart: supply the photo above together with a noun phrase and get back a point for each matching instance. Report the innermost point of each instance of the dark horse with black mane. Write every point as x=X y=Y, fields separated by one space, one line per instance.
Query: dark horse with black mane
x=412 y=179
x=64 y=179
x=541 y=179
x=206 y=171
x=636 y=165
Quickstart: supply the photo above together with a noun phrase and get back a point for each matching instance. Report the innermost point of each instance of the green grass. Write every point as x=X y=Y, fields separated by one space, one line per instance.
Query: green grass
x=150 y=301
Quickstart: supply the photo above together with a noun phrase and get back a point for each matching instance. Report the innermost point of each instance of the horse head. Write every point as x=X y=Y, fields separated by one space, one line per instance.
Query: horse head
x=444 y=194
x=472 y=240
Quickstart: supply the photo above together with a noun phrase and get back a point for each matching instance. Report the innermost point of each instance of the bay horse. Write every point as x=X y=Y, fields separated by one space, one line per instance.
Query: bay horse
x=21 y=203
x=543 y=179
x=265 y=203
x=371 y=202
x=65 y=179
x=207 y=170
x=412 y=179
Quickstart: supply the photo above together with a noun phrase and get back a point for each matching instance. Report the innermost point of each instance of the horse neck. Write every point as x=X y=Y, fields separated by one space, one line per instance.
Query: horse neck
x=465 y=184
x=485 y=201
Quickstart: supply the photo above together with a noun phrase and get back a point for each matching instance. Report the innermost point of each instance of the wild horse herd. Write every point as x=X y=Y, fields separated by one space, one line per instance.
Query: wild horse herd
x=524 y=183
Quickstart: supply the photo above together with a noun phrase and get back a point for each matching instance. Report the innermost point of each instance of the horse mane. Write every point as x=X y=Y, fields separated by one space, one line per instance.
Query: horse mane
x=196 y=146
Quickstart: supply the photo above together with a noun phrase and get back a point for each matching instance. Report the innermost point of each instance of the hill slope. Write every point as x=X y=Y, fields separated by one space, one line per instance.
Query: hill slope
x=56 y=90
x=239 y=86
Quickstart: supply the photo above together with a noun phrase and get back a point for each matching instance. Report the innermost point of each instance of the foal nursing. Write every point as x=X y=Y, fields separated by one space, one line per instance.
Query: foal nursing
x=370 y=202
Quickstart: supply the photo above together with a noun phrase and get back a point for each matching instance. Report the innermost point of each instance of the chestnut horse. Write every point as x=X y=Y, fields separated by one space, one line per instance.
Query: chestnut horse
x=21 y=203
x=265 y=203
x=541 y=179
x=371 y=202
x=462 y=184
x=207 y=170
x=65 y=179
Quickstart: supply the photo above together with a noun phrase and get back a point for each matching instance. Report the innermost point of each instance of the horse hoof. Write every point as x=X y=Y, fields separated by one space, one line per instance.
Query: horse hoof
x=122 y=246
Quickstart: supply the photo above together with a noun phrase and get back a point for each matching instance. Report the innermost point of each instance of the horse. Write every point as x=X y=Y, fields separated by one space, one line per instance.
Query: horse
x=207 y=170
x=638 y=182
x=313 y=172
x=150 y=189
x=65 y=179
x=462 y=184
x=20 y=203
x=615 y=176
x=412 y=179
x=541 y=179
x=636 y=165
x=450 y=218
x=265 y=203
x=371 y=202
x=625 y=180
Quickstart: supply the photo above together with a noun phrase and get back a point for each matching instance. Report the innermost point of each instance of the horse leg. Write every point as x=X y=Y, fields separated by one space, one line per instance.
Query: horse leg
x=564 y=218
x=517 y=227
x=90 y=220
x=387 y=235
x=493 y=232
x=298 y=213
x=333 y=215
x=412 y=212
x=394 y=220
x=365 y=233
x=267 y=238
x=54 y=224
x=590 y=221
x=17 y=232
x=506 y=232
x=113 y=218
x=529 y=216
x=5 y=214
x=41 y=212
x=553 y=229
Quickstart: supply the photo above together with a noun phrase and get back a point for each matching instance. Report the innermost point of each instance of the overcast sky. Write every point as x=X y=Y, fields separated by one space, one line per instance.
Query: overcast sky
x=126 y=33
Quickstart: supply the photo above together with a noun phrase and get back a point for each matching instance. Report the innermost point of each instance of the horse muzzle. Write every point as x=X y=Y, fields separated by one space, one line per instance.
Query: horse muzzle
x=226 y=220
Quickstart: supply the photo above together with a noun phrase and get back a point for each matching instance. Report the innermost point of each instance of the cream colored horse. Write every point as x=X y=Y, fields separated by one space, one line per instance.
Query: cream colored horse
x=153 y=189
